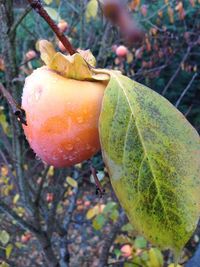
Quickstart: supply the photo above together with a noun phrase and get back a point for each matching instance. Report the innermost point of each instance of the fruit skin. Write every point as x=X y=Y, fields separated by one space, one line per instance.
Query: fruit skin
x=121 y=51
x=62 y=116
x=126 y=250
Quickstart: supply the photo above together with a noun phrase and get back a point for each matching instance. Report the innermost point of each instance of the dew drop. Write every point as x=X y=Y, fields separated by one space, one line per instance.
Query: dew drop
x=88 y=147
x=80 y=119
x=55 y=158
x=38 y=92
x=71 y=158
x=69 y=147
x=37 y=96
x=85 y=111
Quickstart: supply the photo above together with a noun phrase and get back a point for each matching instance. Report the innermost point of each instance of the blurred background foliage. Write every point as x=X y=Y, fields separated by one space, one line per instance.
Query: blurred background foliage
x=167 y=60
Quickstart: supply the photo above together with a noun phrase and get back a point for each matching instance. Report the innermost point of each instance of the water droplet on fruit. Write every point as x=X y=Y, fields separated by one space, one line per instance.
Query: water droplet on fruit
x=37 y=96
x=65 y=157
x=88 y=147
x=60 y=151
x=71 y=158
x=55 y=158
x=69 y=147
x=85 y=111
x=38 y=92
x=80 y=119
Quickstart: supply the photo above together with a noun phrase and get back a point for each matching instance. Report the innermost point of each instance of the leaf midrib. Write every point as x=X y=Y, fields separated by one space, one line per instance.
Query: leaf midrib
x=144 y=148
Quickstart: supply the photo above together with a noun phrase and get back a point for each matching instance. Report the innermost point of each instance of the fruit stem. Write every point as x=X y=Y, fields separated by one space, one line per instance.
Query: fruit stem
x=99 y=189
x=37 y=6
x=18 y=112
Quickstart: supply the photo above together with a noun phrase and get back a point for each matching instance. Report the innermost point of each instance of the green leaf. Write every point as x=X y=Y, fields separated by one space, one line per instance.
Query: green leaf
x=4 y=237
x=152 y=154
x=114 y=215
x=127 y=228
x=155 y=258
x=117 y=253
x=16 y=198
x=48 y=2
x=72 y=182
x=4 y=122
x=52 y=13
x=109 y=207
x=9 y=249
x=98 y=222
x=91 y=10
x=4 y=264
x=140 y=242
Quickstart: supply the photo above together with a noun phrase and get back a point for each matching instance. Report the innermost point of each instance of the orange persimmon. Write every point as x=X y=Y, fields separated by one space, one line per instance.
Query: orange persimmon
x=62 y=117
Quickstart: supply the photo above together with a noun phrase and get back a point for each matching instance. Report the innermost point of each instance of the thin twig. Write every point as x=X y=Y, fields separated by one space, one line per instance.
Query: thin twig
x=18 y=112
x=37 y=6
x=99 y=189
x=64 y=242
x=23 y=224
x=17 y=23
x=109 y=239
x=188 y=110
x=185 y=90
x=38 y=194
x=7 y=164
x=177 y=71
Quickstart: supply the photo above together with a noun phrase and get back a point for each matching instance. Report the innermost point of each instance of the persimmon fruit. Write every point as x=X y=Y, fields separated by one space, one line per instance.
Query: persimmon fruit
x=126 y=250
x=62 y=117
x=121 y=51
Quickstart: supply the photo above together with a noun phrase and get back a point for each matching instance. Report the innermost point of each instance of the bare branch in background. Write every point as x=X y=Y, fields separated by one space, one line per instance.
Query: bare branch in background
x=37 y=6
x=18 y=112
x=185 y=90
x=177 y=70
x=23 y=224
x=19 y=20
x=109 y=239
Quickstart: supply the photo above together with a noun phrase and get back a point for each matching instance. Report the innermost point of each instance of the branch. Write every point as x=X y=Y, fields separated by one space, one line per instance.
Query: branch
x=99 y=189
x=177 y=71
x=23 y=224
x=16 y=24
x=37 y=6
x=185 y=90
x=64 y=252
x=7 y=164
x=109 y=239
x=18 y=112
